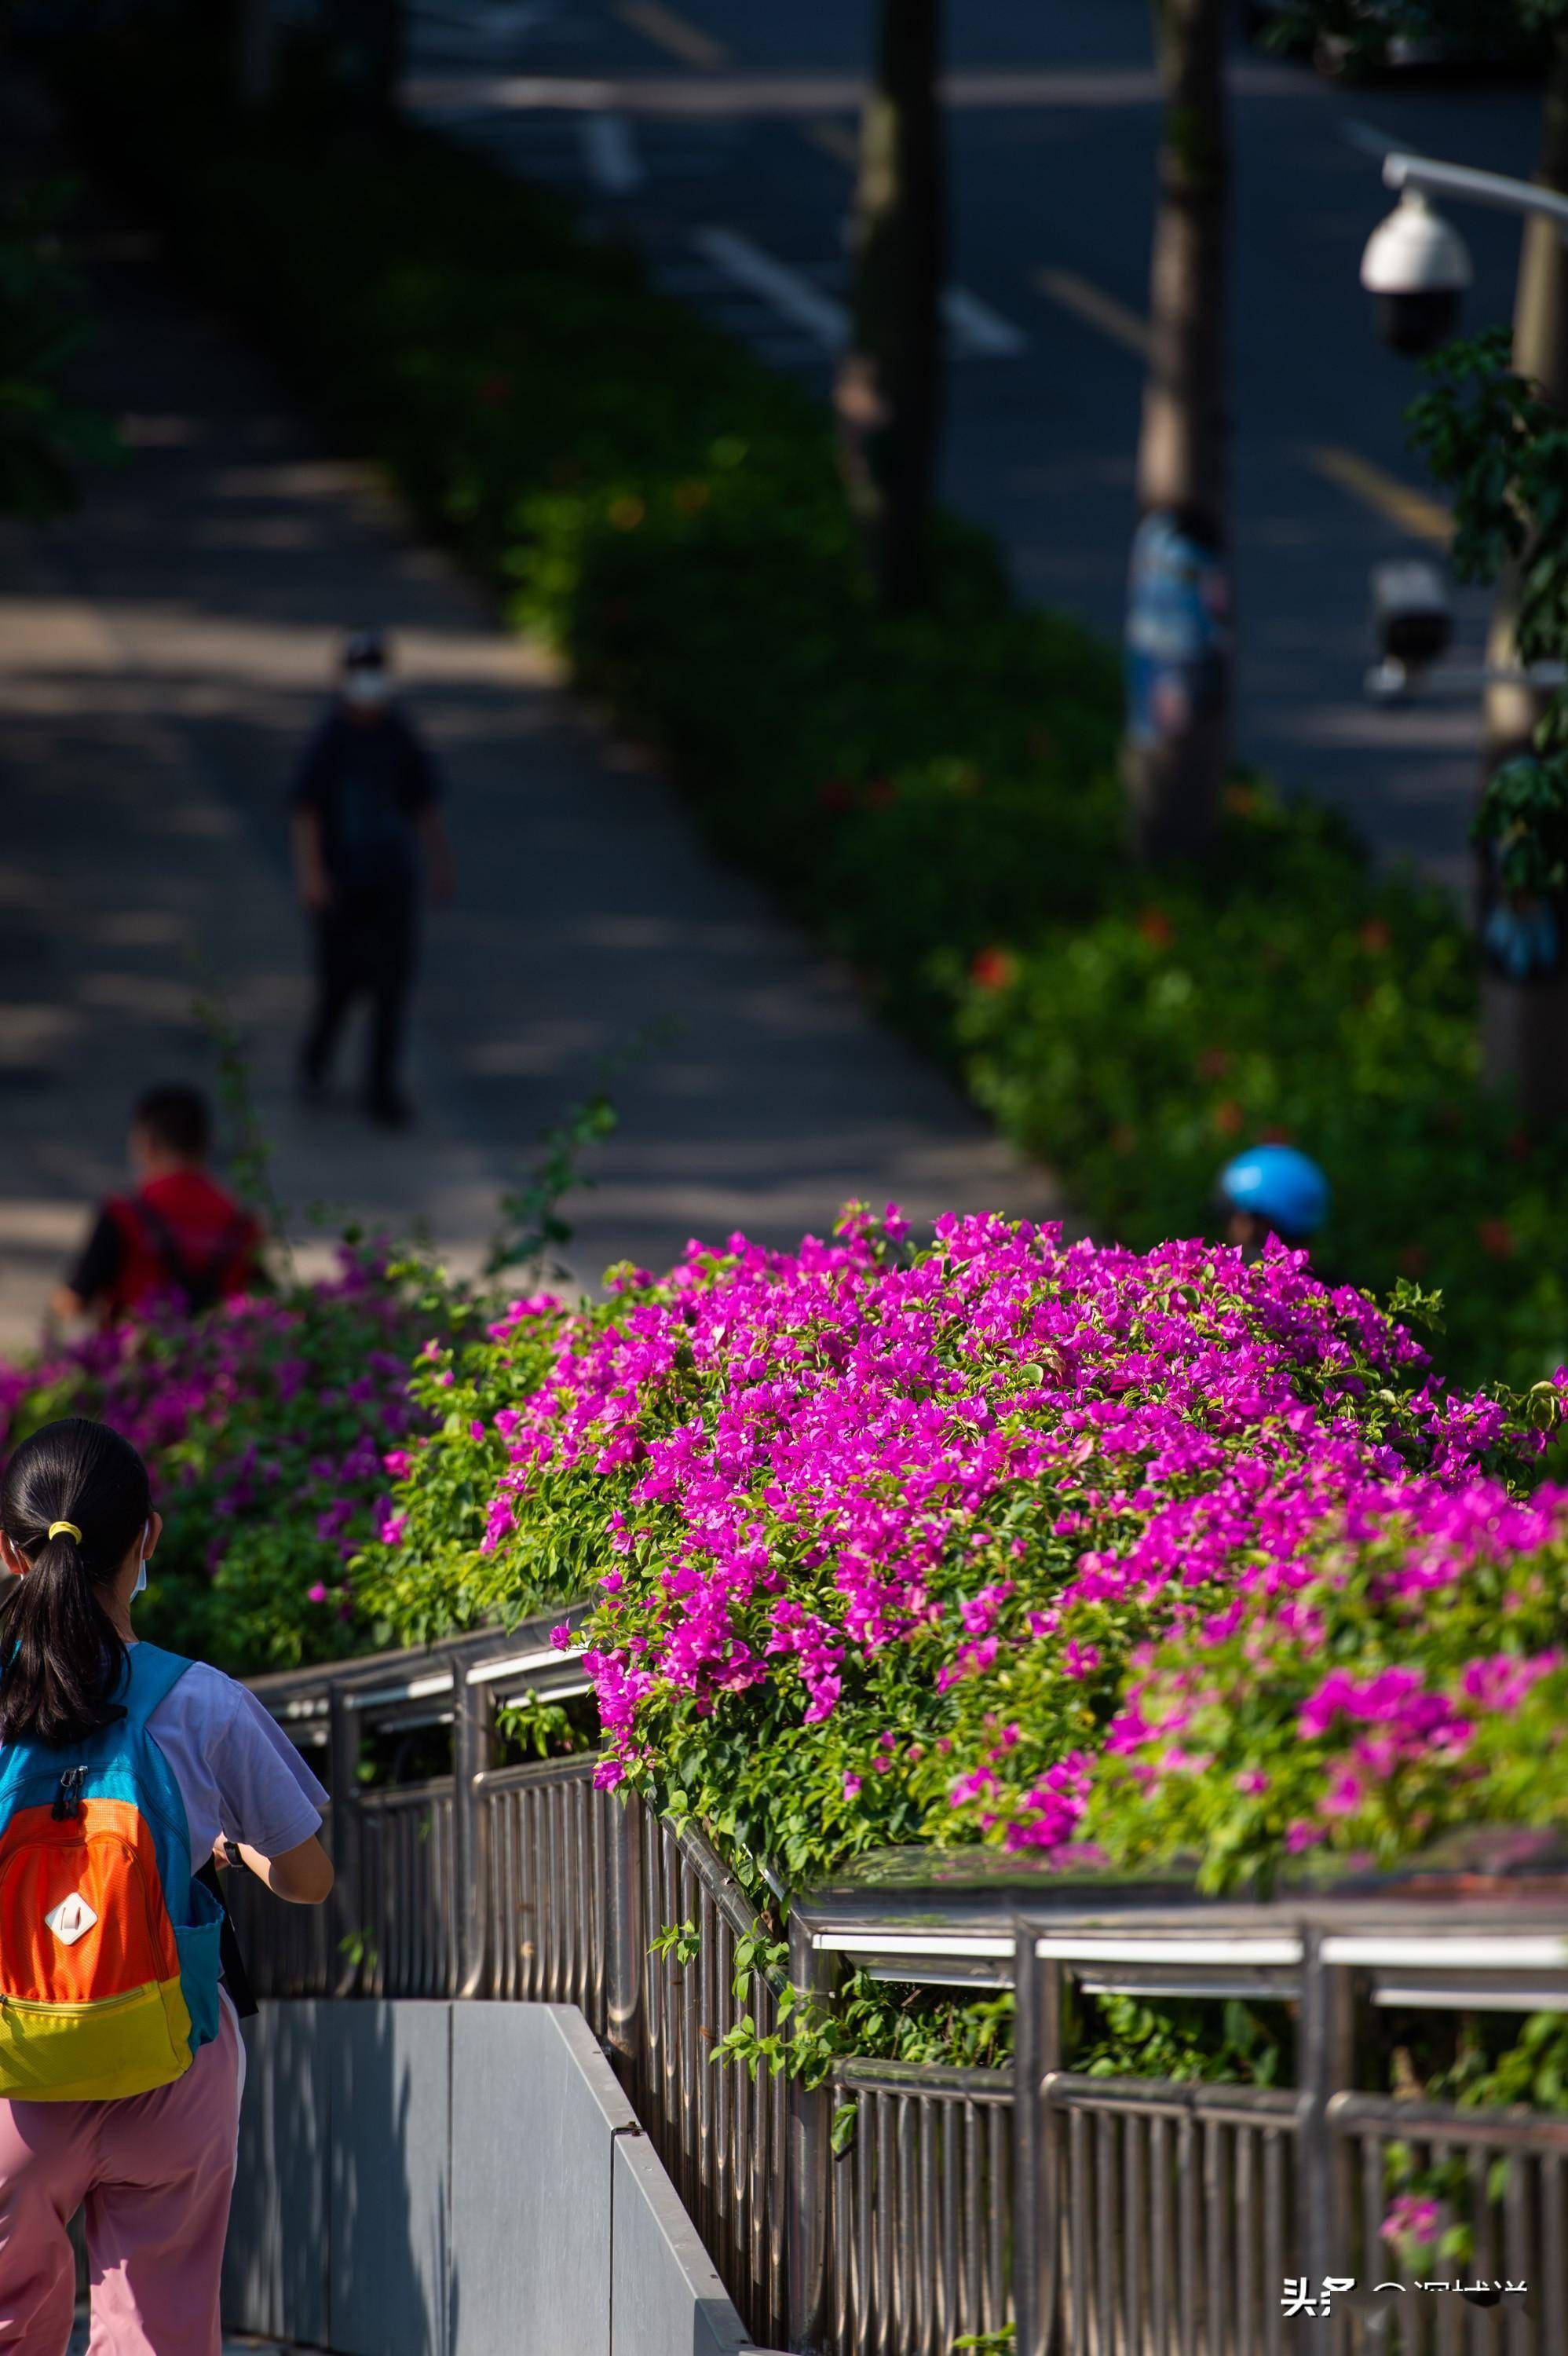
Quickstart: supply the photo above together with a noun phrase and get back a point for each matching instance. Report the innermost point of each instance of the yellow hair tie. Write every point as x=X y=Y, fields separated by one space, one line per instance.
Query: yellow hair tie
x=69 y=1529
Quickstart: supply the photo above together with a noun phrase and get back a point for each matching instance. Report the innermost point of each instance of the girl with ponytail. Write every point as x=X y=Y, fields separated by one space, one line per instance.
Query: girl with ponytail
x=123 y=1771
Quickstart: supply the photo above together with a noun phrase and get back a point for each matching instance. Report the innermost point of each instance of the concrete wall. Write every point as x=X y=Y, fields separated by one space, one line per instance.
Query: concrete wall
x=457 y=2180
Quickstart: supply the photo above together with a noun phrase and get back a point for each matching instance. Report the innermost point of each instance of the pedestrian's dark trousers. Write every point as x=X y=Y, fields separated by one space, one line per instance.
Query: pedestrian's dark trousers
x=365 y=942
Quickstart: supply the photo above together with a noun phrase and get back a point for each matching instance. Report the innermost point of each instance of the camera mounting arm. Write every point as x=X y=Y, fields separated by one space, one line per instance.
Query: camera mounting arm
x=1428 y=176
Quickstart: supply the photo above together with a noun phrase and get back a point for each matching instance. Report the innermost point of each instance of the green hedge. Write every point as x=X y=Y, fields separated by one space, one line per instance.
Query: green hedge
x=935 y=797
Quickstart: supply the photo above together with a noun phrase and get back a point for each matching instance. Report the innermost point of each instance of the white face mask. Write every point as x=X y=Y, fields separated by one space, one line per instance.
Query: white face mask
x=366 y=688
x=142 y=1568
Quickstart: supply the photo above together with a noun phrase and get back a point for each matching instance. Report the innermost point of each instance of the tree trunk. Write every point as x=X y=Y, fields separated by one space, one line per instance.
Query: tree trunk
x=887 y=396
x=1178 y=733
x=1524 y=1026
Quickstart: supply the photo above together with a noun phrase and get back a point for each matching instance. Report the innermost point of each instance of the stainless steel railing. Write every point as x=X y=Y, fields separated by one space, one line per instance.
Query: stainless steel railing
x=1173 y=2218
x=1109 y=2217
x=1513 y=2174
x=920 y=2248
x=721 y=2132
x=544 y=1836
x=406 y=1891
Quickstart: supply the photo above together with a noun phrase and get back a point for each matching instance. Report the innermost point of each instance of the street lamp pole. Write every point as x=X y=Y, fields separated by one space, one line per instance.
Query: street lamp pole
x=1416 y=267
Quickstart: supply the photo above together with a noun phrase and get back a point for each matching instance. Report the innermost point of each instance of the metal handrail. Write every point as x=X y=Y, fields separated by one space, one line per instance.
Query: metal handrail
x=1089 y=2204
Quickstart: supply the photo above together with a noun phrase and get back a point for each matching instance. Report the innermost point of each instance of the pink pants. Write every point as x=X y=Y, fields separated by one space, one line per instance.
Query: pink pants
x=156 y=2172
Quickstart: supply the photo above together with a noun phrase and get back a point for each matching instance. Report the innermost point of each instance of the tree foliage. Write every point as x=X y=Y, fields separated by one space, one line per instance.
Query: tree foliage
x=45 y=434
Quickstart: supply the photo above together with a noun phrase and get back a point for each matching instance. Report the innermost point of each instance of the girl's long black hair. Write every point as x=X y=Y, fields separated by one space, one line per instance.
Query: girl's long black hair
x=62 y=1660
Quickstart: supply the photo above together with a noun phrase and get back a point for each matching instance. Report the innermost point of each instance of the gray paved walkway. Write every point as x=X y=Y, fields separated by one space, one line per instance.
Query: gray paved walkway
x=161 y=655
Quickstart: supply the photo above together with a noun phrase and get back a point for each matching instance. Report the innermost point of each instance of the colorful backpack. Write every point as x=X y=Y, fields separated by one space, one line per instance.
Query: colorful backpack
x=109 y=1946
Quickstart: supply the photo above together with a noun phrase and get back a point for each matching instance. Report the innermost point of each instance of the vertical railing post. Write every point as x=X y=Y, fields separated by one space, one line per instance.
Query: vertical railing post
x=625 y=1940
x=347 y=1894
x=1037 y=2224
x=812 y=1974
x=1326 y=2068
x=472 y=1751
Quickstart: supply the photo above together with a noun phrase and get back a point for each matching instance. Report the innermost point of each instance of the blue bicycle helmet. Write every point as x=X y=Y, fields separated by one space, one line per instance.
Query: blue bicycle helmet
x=1278 y=1184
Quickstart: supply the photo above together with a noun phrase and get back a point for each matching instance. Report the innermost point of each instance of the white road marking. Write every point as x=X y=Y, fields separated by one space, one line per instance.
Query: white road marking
x=976 y=328
x=496 y=29
x=793 y=297
x=610 y=153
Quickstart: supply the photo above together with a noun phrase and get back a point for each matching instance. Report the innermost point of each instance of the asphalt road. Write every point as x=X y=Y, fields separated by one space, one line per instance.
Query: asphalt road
x=720 y=134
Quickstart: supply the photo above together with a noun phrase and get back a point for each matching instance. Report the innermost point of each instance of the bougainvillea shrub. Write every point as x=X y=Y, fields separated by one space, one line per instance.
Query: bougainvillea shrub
x=1004 y=1540
x=267 y=1426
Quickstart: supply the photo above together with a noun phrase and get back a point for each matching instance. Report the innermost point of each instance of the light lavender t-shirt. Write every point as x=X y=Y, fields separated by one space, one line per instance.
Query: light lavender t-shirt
x=237 y=1770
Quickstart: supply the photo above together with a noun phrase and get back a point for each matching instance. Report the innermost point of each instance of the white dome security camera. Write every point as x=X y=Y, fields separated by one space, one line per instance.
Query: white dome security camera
x=1416 y=267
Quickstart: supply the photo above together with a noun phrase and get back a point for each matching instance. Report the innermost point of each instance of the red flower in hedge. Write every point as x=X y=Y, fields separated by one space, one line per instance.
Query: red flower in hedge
x=1228 y=1118
x=1413 y=1259
x=1275 y=1134
x=995 y=968
x=882 y=793
x=1214 y=1063
x=1519 y=1144
x=835 y=794
x=494 y=388
x=1156 y=929
x=1495 y=1239
x=1375 y=936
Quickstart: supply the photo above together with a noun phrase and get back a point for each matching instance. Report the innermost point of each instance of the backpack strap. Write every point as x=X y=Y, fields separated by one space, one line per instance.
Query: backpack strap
x=154 y=1677
x=236 y=1978
x=201 y=1281
x=166 y=1247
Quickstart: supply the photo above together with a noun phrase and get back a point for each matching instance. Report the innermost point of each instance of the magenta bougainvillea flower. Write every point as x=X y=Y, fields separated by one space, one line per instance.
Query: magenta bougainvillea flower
x=270 y=1429
x=1140 y=1550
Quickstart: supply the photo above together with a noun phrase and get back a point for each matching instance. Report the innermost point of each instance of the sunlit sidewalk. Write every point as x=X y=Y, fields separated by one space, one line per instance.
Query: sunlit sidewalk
x=162 y=654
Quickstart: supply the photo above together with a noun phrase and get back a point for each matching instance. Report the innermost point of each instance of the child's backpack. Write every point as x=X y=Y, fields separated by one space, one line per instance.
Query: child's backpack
x=108 y=1948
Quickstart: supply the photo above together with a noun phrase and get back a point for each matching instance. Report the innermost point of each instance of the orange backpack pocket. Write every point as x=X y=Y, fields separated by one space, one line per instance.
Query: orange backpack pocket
x=81 y=1911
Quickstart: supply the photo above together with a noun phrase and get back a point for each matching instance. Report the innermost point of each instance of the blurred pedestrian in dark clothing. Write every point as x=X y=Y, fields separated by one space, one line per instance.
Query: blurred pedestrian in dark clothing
x=367 y=822
x=179 y=1238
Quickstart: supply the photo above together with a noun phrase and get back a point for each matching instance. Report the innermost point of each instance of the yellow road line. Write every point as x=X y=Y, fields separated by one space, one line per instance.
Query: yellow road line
x=838 y=140
x=1411 y=510
x=675 y=34
x=1101 y=310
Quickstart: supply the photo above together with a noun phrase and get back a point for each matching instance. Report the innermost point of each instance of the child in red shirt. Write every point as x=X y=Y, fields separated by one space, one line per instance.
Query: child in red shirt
x=179 y=1238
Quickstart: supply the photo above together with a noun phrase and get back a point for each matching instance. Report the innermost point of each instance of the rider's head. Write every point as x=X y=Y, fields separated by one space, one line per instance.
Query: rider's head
x=1271 y=1189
